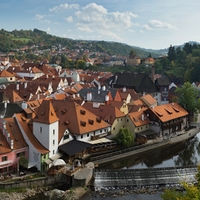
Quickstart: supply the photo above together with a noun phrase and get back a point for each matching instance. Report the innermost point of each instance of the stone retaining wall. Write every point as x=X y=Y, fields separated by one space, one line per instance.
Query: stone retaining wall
x=35 y=182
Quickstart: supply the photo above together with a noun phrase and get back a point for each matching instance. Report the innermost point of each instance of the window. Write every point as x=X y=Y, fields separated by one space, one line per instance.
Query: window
x=81 y=136
x=40 y=129
x=127 y=120
x=4 y=158
x=87 y=134
x=20 y=154
x=66 y=137
x=113 y=128
x=121 y=119
x=53 y=151
x=100 y=131
x=53 y=141
x=53 y=131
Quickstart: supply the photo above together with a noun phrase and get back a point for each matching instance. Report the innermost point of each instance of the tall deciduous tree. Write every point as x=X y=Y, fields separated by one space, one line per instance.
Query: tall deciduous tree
x=124 y=137
x=171 y=53
x=188 y=97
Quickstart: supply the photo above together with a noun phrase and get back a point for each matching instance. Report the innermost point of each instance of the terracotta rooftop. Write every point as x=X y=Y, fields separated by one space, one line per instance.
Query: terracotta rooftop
x=149 y=100
x=4 y=146
x=139 y=118
x=106 y=112
x=167 y=112
x=45 y=113
x=15 y=133
x=24 y=123
x=5 y=73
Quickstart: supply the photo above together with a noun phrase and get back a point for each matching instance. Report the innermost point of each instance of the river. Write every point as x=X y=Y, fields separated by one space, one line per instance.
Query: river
x=182 y=154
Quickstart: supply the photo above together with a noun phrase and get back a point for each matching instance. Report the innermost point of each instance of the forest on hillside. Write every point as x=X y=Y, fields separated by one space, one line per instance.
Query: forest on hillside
x=181 y=64
x=16 y=39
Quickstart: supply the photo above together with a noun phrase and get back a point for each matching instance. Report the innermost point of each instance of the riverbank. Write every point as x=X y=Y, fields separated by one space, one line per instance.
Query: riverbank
x=148 y=147
x=73 y=193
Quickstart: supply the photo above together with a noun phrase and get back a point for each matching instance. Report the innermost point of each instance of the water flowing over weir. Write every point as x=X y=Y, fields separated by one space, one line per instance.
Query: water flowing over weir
x=143 y=177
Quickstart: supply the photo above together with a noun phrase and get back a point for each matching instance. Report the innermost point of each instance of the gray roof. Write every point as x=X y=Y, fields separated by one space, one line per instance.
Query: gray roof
x=73 y=147
x=140 y=82
x=10 y=110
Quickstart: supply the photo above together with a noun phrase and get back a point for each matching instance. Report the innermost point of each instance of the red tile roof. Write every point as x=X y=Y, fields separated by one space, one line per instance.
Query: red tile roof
x=139 y=118
x=24 y=124
x=45 y=113
x=4 y=146
x=167 y=112
x=15 y=133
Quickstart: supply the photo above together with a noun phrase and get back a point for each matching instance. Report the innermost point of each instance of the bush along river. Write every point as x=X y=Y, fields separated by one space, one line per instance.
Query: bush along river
x=186 y=153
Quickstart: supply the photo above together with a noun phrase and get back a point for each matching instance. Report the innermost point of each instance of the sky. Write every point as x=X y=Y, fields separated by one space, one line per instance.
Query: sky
x=150 y=24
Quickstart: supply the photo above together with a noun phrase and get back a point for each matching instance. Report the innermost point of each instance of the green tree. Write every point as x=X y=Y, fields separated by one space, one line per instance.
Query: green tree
x=81 y=64
x=124 y=137
x=171 y=53
x=190 y=191
x=23 y=162
x=188 y=97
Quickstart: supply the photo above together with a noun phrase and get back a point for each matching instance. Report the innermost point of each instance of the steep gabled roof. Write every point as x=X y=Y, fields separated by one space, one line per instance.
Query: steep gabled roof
x=76 y=118
x=106 y=112
x=15 y=133
x=45 y=113
x=140 y=82
x=24 y=124
x=4 y=146
x=5 y=73
x=14 y=97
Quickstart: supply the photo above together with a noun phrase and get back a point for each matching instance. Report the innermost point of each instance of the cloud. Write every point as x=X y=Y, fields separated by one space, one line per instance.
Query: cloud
x=156 y=24
x=69 y=19
x=98 y=19
x=85 y=29
x=41 y=18
x=64 y=7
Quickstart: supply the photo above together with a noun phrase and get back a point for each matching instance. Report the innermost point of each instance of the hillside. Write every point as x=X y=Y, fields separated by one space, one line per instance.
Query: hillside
x=16 y=39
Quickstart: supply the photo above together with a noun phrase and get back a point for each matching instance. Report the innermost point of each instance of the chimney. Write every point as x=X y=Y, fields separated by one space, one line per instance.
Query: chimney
x=89 y=96
x=106 y=99
x=153 y=73
x=17 y=86
x=25 y=85
x=12 y=144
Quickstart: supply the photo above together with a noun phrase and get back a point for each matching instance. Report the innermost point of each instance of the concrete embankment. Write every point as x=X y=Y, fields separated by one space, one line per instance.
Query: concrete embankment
x=185 y=136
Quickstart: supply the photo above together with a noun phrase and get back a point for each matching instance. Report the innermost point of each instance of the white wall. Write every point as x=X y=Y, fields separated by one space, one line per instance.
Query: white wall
x=47 y=134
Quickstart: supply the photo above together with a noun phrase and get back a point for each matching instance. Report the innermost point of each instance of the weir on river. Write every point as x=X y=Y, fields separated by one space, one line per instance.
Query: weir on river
x=144 y=177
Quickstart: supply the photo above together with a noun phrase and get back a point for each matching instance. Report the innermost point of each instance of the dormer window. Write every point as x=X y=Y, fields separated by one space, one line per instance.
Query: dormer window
x=66 y=122
x=98 y=119
x=83 y=123
x=82 y=112
x=91 y=121
x=63 y=111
